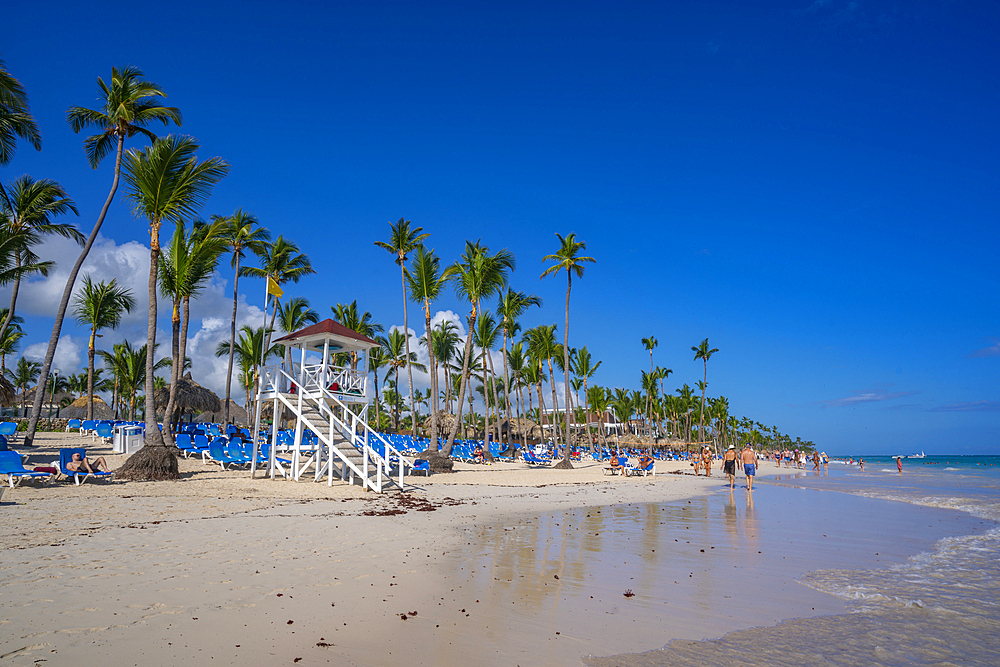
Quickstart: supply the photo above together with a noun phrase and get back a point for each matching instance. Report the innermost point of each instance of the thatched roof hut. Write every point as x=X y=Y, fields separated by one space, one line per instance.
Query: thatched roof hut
x=190 y=396
x=237 y=415
x=520 y=427
x=28 y=397
x=8 y=392
x=78 y=409
x=445 y=421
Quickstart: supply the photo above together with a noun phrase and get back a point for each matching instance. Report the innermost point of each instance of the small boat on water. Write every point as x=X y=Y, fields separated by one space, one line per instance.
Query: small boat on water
x=916 y=456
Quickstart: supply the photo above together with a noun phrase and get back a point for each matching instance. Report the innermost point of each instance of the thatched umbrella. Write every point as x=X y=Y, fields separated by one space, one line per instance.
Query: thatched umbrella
x=78 y=409
x=190 y=396
x=237 y=415
x=8 y=393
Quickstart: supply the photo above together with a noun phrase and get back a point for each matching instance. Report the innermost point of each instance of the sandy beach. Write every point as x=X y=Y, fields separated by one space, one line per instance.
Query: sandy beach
x=497 y=564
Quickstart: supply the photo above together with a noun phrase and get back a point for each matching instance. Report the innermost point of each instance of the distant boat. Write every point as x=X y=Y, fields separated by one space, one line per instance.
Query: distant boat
x=916 y=456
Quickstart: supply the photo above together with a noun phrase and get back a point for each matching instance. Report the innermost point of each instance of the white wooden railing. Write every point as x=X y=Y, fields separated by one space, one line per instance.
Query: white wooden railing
x=336 y=379
x=314 y=394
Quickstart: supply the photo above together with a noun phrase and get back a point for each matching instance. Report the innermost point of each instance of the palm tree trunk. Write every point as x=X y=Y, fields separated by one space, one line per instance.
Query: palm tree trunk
x=555 y=406
x=232 y=340
x=36 y=408
x=409 y=369
x=153 y=436
x=568 y=432
x=395 y=403
x=433 y=369
x=176 y=370
x=91 y=352
x=524 y=433
x=462 y=385
x=486 y=412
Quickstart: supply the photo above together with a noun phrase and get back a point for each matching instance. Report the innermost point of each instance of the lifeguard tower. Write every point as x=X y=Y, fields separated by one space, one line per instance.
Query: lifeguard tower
x=329 y=402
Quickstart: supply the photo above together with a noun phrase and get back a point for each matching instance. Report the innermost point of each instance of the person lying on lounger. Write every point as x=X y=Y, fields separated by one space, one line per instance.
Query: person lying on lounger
x=82 y=464
x=645 y=460
x=616 y=465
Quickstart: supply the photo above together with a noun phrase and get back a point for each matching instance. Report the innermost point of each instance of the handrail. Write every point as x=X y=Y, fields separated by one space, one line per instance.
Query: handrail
x=315 y=390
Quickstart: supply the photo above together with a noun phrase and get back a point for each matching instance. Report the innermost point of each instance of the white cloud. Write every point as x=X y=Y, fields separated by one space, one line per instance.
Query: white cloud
x=127 y=263
x=67 y=358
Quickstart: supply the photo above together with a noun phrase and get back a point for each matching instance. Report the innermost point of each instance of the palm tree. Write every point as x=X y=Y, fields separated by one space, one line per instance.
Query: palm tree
x=11 y=339
x=426 y=282
x=377 y=360
x=296 y=314
x=597 y=399
x=703 y=352
x=585 y=368
x=249 y=352
x=283 y=263
x=543 y=347
x=166 y=183
x=24 y=374
x=443 y=344
x=396 y=358
x=478 y=275
x=188 y=263
x=26 y=210
x=358 y=322
x=517 y=360
x=131 y=364
x=510 y=309
x=486 y=334
x=650 y=344
x=567 y=258
x=128 y=105
x=404 y=239
x=15 y=118
x=243 y=233
x=100 y=306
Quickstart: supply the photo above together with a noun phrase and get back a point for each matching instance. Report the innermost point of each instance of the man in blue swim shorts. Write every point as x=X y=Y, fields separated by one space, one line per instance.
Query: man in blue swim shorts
x=748 y=457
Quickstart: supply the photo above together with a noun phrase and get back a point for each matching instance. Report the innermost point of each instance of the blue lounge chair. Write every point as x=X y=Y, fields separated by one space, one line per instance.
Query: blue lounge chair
x=104 y=431
x=648 y=469
x=9 y=430
x=183 y=442
x=422 y=465
x=66 y=455
x=73 y=425
x=10 y=465
x=217 y=452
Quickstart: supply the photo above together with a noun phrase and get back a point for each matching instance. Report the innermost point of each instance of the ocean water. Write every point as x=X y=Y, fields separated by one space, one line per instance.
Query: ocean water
x=940 y=605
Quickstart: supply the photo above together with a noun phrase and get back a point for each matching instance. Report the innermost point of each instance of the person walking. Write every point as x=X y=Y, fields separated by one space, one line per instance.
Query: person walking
x=729 y=465
x=749 y=460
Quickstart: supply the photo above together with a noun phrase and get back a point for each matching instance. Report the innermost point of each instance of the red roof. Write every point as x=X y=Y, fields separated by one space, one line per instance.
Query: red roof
x=326 y=327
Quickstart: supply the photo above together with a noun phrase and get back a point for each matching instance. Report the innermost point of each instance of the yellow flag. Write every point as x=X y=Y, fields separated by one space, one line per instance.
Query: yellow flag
x=274 y=288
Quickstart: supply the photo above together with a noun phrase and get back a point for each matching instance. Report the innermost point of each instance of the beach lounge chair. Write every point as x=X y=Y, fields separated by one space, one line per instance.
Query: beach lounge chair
x=104 y=431
x=183 y=442
x=648 y=469
x=10 y=465
x=217 y=452
x=74 y=424
x=422 y=465
x=66 y=455
x=621 y=469
x=9 y=431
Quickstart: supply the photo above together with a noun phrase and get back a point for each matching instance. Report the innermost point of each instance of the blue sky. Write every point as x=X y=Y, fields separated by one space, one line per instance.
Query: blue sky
x=814 y=187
